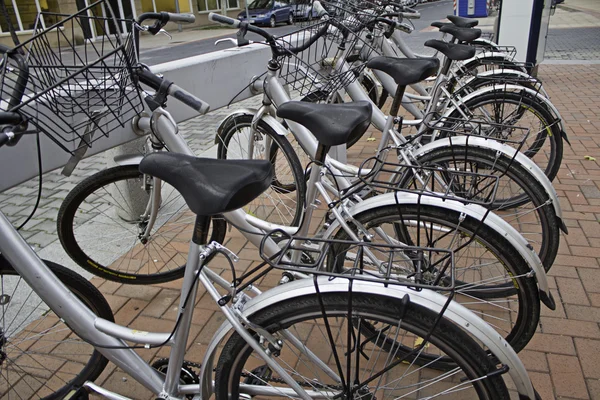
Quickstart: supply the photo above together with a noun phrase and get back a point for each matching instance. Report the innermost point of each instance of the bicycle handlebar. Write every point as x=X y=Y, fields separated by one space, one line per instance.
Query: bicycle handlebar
x=277 y=50
x=183 y=18
x=222 y=19
x=156 y=82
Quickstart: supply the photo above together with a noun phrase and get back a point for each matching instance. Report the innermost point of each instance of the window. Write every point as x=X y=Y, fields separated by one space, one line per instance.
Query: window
x=23 y=13
x=215 y=5
x=185 y=6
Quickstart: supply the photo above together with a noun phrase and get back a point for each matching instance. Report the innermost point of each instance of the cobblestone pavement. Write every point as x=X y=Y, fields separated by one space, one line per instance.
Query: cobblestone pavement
x=573 y=44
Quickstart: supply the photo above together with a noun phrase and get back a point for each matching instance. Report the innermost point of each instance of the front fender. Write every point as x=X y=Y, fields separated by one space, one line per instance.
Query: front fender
x=508 y=87
x=128 y=159
x=458 y=314
x=472 y=210
x=268 y=119
x=519 y=157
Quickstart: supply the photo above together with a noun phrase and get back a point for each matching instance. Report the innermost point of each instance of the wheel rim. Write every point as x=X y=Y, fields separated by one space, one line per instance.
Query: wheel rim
x=281 y=203
x=273 y=22
x=395 y=382
x=513 y=109
x=101 y=219
x=483 y=283
x=511 y=202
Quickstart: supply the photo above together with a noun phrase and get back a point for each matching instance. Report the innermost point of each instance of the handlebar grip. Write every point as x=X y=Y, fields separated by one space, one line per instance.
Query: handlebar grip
x=189 y=99
x=411 y=15
x=184 y=18
x=403 y=27
x=223 y=20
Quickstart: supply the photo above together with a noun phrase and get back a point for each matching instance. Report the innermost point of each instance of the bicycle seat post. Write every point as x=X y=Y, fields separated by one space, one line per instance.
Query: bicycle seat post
x=397 y=101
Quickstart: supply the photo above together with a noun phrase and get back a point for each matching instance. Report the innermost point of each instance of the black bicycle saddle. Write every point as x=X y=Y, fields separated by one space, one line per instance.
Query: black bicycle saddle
x=210 y=186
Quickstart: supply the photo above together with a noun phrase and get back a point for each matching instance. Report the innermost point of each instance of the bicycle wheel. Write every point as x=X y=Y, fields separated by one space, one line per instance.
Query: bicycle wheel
x=41 y=357
x=283 y=202
x=520 y=199
x=491 y=276
x=544 y=144
x=367 y=371
x=102 y=225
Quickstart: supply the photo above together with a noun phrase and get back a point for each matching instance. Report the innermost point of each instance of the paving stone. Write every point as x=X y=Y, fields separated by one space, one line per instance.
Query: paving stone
x=42 y=239
x=589 y=351
x=567 y=376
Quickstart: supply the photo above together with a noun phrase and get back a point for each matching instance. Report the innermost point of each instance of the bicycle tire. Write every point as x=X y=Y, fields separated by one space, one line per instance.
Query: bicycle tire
x=512 y=268
x=35 y=381
x=293 y=315
x=488 y=161
x=88 y=211
x=280 y=193
x=526 y=104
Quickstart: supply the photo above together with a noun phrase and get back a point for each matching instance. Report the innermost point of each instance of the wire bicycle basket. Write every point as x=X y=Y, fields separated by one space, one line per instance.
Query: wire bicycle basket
x=79 y=89
x=312 y=73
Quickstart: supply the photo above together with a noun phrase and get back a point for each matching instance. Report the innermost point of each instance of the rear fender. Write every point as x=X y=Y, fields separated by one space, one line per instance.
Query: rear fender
x=455 y=312
x=511 y=87
x=472 y=210
x=519 y=157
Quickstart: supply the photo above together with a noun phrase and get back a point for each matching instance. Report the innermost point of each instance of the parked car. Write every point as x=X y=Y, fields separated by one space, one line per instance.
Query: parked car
x=268 y=12
x=304 y=10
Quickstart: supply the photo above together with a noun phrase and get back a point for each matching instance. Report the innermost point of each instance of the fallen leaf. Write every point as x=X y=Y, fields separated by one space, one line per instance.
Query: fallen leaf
x=371 y=139
x=589 y=158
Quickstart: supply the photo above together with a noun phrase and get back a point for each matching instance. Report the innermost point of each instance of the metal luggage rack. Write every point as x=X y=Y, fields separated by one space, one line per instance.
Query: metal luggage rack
x=487 y=35
x=510 y=51
x=502 y=78
x=503 y=65
x=77 y=90
x=312 y=72
x=404 y=265
x=438 y=181
x=512 y=135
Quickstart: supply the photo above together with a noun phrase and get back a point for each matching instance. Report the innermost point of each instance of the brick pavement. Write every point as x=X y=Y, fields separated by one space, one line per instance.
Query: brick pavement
x=563 y=357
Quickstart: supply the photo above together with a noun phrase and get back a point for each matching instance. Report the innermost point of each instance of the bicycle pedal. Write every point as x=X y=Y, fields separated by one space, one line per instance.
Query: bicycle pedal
x=259 y=376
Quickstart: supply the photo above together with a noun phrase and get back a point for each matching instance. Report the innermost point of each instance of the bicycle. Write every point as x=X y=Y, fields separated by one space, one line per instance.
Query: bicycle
x=248 y=133
x=502 y=95
x=257 y=322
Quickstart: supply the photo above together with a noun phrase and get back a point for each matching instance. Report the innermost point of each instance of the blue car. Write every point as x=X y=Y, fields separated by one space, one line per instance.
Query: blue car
x=268 y=12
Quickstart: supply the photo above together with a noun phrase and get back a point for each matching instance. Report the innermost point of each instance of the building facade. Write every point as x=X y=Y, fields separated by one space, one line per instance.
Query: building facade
x=23 y=13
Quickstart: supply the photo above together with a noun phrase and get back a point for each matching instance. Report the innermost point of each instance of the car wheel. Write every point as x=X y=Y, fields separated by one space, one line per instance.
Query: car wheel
x=273 y=22
x=290 y=20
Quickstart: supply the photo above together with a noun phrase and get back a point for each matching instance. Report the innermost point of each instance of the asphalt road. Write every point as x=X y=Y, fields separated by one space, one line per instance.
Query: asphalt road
x=429 y=12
